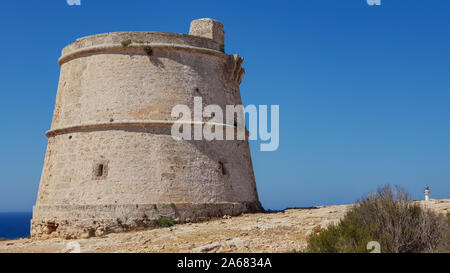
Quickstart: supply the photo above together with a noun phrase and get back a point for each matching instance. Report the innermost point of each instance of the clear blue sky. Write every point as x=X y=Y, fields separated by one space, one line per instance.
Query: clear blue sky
x=363 y=91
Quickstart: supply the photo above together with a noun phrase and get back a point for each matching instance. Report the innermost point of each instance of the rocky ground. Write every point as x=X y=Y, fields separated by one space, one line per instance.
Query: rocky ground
x=263 y=232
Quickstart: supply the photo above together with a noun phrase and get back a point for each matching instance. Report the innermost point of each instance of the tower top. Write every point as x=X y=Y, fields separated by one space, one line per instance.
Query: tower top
x=203 y=34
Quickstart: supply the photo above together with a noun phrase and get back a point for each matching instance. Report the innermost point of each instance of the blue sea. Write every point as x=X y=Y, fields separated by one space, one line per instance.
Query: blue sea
x=15 y=224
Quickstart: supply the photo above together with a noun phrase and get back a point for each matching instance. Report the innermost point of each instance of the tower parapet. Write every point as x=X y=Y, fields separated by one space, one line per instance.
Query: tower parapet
x=208 y=28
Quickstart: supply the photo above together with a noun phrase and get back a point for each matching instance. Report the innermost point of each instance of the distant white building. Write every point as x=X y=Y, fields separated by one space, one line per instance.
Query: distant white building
x=427 y=193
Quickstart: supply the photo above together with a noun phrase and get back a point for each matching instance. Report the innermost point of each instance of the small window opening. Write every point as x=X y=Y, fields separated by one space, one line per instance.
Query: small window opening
x=100 y=170
x=222 y=168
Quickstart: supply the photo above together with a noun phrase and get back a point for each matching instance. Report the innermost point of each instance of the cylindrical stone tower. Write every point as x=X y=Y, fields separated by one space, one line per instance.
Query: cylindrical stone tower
x=111 y=162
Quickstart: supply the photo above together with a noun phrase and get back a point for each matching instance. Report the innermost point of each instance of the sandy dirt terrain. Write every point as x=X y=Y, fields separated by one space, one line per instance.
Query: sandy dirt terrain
x=263 y=232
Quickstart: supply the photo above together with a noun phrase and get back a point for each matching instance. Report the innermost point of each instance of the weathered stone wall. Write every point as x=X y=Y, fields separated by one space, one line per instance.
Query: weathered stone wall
x=110 y=153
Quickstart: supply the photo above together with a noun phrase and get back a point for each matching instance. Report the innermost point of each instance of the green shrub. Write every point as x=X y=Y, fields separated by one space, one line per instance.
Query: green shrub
x=388 y=217
x=445 y=246
x=164 y=222
x=447 y=243
x=126 y=43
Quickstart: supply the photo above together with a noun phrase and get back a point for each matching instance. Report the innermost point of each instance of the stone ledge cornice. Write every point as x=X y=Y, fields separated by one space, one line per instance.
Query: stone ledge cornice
x=133 y=123
x=117 y=48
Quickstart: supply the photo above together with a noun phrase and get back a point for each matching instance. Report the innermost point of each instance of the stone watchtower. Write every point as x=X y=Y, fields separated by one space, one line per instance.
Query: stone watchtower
x=111 y=162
